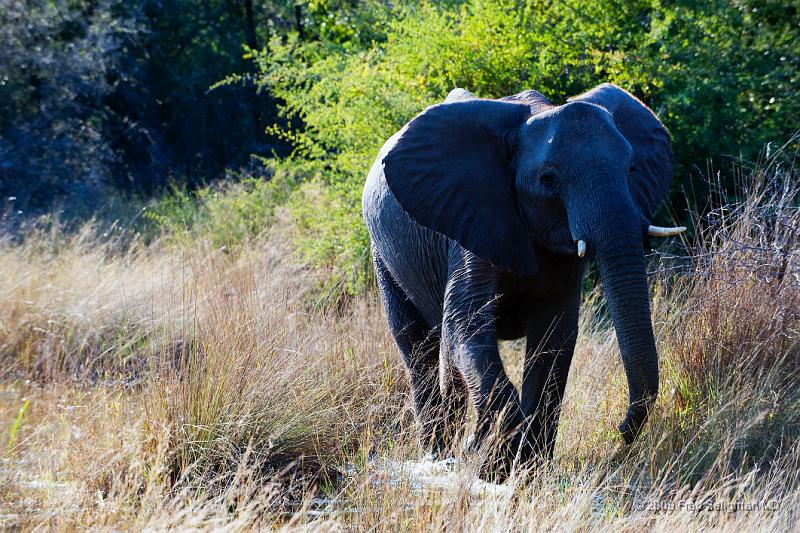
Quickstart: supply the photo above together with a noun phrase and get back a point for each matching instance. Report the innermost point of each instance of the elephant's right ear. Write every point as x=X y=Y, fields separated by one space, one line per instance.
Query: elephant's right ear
x=451 y=171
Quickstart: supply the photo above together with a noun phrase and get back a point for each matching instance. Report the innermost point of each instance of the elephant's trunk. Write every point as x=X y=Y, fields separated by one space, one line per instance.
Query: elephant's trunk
x=619 y=250
x=622 y=269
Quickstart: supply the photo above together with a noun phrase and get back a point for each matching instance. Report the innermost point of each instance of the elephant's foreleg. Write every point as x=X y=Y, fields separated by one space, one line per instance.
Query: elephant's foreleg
x=552 y=333
x=469 y=342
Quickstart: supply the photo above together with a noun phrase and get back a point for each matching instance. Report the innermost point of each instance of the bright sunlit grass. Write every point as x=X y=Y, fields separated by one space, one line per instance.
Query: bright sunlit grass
x=188 y=386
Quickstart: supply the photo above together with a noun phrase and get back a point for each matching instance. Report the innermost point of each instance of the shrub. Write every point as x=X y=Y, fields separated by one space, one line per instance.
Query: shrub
x=226 y=213
x=729 y=342
x=263 y=378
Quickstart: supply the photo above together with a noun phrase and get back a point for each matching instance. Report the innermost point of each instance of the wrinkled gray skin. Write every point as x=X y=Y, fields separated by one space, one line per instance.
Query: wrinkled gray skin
x=474 y=209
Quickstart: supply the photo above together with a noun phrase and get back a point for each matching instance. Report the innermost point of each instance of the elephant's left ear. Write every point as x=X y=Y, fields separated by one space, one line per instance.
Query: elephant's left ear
x=651 y=173
x=450 y=169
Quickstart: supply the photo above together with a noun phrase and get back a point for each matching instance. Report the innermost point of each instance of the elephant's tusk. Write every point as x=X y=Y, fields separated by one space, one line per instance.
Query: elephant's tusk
x=658 y=231
x=581 y=248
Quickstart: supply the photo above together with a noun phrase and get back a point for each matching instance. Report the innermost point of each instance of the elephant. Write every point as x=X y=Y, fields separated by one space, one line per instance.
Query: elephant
x=482 y=215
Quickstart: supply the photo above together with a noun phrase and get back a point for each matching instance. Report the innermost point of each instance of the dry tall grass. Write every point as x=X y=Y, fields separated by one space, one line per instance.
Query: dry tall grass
x=196 y=387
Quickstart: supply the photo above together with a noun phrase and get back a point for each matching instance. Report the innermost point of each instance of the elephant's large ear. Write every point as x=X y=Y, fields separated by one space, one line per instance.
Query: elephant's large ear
x=451 y=171
x=651 y=174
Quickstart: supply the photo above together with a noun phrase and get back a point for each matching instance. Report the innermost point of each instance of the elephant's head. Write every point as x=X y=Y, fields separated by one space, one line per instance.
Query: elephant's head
x=501 y=176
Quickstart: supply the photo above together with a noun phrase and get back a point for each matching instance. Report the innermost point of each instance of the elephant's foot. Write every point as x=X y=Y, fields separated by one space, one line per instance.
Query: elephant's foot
x=498 y=449
x=500 y=459
x=443 y=436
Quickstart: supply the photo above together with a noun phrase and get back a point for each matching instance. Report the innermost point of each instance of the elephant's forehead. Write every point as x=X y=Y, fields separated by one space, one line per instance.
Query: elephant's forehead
x=572 y=127
x=572 y=114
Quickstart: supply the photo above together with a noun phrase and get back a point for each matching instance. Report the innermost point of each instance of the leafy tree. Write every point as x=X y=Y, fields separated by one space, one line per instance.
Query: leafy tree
x=58 y=60
x=103 y=98
x=722 y=75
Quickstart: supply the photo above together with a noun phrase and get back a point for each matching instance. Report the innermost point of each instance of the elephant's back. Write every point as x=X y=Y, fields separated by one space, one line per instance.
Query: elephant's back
x=415 y=256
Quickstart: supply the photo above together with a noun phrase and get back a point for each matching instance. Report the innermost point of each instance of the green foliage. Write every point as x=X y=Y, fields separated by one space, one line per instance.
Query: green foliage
x=343 y=21
x=730 y=74
x=227 y=214
x=332 y=237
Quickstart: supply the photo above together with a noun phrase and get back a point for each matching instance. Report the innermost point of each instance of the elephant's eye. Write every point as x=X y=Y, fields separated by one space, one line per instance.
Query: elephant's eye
x=548 y=180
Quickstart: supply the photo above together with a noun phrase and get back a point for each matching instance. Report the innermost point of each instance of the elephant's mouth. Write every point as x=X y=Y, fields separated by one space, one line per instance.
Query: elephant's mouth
x=548 y=227
x=557 y=238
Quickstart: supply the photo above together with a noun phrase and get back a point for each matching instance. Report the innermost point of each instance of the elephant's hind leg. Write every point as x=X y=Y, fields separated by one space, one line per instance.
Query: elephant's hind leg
x=419 y=347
